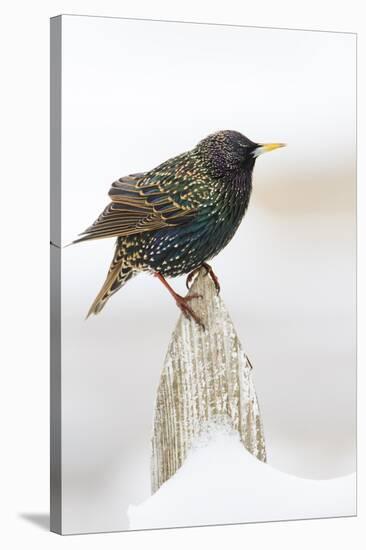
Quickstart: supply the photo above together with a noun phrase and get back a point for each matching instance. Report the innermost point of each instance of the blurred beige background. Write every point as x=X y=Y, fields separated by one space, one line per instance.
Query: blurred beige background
x=134 y=94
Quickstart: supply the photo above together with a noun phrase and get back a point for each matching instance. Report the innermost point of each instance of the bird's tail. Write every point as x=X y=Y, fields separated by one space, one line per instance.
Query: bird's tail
x=119 y=273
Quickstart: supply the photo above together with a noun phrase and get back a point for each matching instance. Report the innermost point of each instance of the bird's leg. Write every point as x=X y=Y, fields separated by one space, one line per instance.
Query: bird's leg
x=181 y=301
x=209 y=271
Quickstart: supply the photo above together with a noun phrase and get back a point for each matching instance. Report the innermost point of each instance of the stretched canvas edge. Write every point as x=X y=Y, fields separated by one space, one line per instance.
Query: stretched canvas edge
x=55 y=275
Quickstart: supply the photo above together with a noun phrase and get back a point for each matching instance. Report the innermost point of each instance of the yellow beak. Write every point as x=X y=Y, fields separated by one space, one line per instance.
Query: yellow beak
x=267 y=147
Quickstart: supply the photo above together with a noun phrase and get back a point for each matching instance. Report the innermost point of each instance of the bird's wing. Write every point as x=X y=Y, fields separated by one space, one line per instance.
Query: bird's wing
x=145 y=202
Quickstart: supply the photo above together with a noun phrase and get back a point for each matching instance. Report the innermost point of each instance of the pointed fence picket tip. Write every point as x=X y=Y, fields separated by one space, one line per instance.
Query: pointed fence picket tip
x=206 y=379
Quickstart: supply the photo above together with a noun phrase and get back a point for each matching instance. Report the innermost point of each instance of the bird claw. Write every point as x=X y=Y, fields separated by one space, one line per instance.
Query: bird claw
x=209 y=271
x=187 y=310
x=192 y=297
x=190 y=277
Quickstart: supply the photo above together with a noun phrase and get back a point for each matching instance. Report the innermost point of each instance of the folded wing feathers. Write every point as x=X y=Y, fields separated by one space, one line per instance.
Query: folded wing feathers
x=138 y=205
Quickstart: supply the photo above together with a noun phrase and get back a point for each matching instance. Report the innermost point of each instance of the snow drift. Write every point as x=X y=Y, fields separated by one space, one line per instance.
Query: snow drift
x=221 y=482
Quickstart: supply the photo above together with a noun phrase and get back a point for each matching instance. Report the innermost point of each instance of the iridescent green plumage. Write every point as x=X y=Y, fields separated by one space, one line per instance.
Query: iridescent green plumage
x=172 y=219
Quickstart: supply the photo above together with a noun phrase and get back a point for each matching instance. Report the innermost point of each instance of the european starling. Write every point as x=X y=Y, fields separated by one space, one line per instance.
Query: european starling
x=170 y=220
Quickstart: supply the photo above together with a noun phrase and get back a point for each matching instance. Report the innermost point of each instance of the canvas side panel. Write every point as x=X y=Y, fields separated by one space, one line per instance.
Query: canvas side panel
x=55 y=283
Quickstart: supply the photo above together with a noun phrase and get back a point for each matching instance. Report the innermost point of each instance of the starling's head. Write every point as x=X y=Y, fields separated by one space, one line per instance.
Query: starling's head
x=227 y=152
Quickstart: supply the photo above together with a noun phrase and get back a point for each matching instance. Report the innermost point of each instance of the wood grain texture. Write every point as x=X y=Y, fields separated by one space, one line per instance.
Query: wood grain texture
x=206 y=380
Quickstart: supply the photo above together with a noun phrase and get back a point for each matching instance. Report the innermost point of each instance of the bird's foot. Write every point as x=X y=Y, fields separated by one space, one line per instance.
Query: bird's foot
x=182 y=303
x=209 y=271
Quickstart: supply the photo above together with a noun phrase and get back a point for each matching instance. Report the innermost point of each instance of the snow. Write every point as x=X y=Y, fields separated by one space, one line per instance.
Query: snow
x=221 y=482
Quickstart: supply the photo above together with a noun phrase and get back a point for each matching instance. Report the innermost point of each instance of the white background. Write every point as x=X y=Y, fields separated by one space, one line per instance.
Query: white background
x=25 y=369
x=135 y=93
